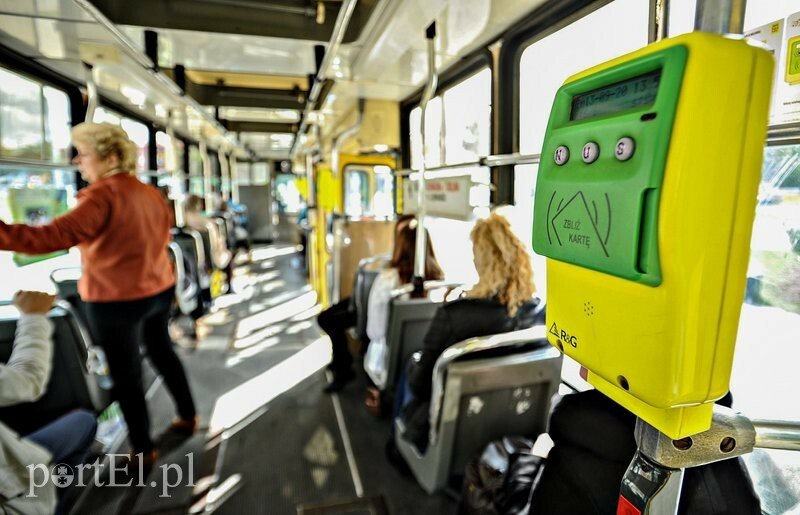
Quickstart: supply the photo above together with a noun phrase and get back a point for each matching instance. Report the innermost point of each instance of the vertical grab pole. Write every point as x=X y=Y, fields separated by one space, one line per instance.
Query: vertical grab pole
x=659 y=20
x=720 y=16
x=208 y=195
x=225 y=172
x=178 y=196
x=430 y=88
x=234 y=164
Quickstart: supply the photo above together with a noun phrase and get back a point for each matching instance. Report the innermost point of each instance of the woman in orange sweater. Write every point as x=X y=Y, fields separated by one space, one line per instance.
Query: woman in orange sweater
x=121 y=227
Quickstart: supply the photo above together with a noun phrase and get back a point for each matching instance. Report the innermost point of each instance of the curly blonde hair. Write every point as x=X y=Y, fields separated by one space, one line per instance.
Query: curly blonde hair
x=105 y=140
x=503 y=264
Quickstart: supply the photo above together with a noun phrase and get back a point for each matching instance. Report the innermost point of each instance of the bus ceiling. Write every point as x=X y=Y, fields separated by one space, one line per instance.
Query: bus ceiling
x=294 y=19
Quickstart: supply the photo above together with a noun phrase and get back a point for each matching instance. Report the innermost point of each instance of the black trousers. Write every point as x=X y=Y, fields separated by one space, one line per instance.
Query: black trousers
x=119 y=328
x=335 y=321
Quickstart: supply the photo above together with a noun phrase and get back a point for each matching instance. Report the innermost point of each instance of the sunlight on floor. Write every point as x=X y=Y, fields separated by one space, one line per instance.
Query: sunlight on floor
x=235 y=405
x=280 y=312
x=256 y=337
x=251 y=351
x=273 y=251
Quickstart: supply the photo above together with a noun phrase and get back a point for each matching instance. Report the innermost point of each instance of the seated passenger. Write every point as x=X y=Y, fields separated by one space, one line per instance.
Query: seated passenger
x=500 y=302
x=23 y=379
x=341 y=316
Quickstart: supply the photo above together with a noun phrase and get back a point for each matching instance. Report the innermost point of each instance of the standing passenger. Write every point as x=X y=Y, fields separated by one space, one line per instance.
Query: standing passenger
x=121 y=227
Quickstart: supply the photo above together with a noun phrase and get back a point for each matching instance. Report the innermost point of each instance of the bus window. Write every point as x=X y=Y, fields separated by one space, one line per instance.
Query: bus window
x=35 y=129
x=546 y=63
x=383 y=196
x=764 y=380
x=467 y=118
x=34 y=196
x=287 y=194
x=195 y=171
x=137 y=132
x=56 y=126
x=21 y=117
x=259 y=173
x=356 y=192
x=433 y=128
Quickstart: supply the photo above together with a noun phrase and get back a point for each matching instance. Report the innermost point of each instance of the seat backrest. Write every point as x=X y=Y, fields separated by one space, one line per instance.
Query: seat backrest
x=186 y=281
x=368 y=270
x=488 y=387
x=409 y=320
x=71 y=384
x=193 y=247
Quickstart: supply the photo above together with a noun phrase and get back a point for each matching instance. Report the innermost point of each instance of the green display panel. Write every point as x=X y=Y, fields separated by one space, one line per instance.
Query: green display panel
x=36 y=206
x=602 y=167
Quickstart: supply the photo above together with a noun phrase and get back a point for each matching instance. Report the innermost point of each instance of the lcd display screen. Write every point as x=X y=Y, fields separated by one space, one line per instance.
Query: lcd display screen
x=620 y=96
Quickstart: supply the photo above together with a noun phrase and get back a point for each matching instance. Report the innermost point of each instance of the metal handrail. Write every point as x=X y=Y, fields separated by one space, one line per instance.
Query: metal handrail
x=471 y=346
x=374 y=259
x=426 y=286
x=488 y=161
x=777 y=434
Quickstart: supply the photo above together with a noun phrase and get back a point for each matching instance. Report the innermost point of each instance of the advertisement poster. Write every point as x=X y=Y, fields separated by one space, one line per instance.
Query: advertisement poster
x=35 y=207
x=782 y=38
x=771 y=35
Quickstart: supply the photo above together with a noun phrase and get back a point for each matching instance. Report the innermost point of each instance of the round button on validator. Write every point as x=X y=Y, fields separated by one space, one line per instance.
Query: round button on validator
x=591 y=151
x=561 y=155
x=624 y=148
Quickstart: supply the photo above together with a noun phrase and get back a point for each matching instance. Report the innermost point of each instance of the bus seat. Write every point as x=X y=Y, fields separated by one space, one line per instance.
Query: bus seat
x=72 y=385
x=409 y=320
x=482 y=389
x=186 y=288
x=220 y=254
x=368 y=270
x=230 y=228
x=66 y=283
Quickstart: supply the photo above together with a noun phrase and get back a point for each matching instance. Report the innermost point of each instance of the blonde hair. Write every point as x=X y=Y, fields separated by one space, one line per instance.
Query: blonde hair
x=106 y=140
x=503 y=263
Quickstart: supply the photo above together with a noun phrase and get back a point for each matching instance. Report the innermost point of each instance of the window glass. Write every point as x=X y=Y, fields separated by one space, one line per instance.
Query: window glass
x=356 y=191
x=34 y=196
x=195 y=171
x=770 y=319
x=139 y=134
x=453 y=248
x=546 y=63
x=383 y=196
x=259 y=173
x=433 y=133
x=57 y=121
x=521 y=217
x=20 y=117
x=287 y=194
x=467 y=118
x=103 y=115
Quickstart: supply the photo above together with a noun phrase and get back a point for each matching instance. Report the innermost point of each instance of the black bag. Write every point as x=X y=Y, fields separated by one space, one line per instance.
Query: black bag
x=498 y=480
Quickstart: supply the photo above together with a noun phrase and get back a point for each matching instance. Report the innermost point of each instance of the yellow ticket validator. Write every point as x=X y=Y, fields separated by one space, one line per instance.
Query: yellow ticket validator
x=644 y=206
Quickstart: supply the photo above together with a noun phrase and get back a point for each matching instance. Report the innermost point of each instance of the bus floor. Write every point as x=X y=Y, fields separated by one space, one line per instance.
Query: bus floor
x=271 y=442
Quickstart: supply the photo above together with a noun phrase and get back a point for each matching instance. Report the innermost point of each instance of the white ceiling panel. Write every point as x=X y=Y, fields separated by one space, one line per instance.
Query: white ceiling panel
x=243 y=114
x=231 y=52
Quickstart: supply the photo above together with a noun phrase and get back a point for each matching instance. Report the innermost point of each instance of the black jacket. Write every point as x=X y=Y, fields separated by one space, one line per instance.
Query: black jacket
x=454 y=322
